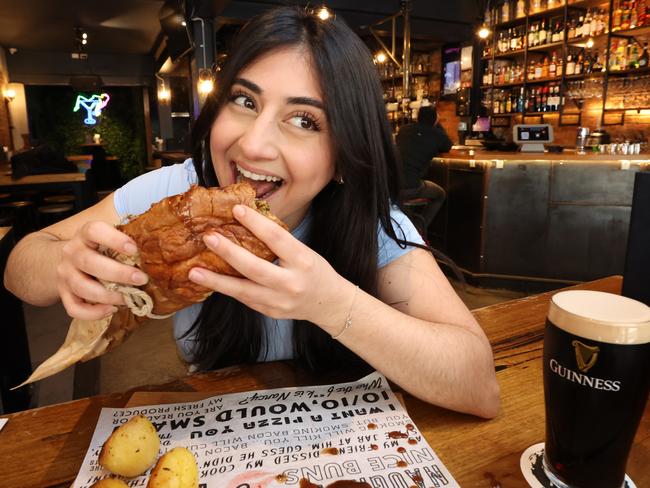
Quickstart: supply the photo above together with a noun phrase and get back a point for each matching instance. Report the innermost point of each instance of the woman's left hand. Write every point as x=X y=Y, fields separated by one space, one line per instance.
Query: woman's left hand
x=302 y=285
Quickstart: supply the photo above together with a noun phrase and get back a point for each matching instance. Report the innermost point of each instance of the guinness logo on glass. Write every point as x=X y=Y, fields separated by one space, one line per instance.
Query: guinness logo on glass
x=586 y=356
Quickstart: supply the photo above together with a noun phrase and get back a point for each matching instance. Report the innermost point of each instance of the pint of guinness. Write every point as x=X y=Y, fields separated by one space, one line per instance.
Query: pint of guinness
x=596 y=383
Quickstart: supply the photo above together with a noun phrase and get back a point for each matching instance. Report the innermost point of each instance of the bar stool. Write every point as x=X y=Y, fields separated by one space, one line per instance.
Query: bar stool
x=49 y=214
x=412 y=209
x=58 y=199
x=23 y=216
x=26 y=196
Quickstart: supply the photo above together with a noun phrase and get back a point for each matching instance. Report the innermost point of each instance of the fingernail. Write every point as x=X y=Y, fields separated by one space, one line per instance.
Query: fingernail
x=139 y=278
x=238 y=210
x=211 y=240
x=130 y=248
x=196 y=275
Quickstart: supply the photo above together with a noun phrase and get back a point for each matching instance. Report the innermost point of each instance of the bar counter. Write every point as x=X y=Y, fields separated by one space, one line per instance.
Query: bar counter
x=535 y=217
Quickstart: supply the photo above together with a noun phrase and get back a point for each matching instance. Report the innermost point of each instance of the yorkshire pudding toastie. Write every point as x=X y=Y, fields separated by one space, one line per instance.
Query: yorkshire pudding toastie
x=169 y=237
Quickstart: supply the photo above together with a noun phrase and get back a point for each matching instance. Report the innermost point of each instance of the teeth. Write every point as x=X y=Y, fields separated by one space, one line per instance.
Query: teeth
x=255 y=176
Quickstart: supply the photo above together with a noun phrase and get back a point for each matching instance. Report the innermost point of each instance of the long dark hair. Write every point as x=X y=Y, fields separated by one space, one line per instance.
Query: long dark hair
x=345 y=216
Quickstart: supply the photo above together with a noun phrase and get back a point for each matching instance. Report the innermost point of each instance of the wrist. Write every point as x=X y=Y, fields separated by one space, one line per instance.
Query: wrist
x=338 y=311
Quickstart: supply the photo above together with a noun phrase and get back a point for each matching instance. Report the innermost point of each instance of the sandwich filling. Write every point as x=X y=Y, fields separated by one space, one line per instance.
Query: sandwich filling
x=264 y=185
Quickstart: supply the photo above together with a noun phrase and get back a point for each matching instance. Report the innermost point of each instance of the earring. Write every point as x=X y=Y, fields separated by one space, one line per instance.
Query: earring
x=340 y=180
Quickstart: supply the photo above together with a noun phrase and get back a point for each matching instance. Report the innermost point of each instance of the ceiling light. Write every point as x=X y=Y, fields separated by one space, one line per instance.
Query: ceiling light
x=164 y=95
x=9 y=94
x=84 y=41
x=84 y=36
x=183 y=23
x=323 y=13
x=206 y=84
x=381 y=57
x=483 y=32
x=590 y=43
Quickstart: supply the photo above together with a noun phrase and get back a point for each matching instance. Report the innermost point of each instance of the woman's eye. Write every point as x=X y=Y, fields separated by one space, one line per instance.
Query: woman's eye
x=243 y=101
x=304 y=122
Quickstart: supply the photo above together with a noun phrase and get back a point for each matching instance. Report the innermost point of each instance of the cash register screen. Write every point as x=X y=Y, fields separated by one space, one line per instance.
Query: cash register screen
x=533 y=134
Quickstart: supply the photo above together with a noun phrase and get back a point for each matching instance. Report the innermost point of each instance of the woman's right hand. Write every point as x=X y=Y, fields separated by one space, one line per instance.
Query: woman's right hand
x=83 y=296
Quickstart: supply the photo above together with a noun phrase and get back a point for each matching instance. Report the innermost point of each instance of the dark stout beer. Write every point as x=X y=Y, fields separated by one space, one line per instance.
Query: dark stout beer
x=596 y=382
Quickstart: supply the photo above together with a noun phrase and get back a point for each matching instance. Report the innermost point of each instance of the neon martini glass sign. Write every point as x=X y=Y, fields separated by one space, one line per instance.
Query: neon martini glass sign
x=93 y=106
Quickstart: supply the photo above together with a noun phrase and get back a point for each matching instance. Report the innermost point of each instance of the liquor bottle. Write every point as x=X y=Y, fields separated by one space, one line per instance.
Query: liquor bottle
x=643 y=59
x=597 y=64
x=552 y=67
x=538 y=70
x=554 y=33
x=572 y=29
x=508 y=108
x=542 y=32
x=593 y=27
x=520 y=100
x=586 y=26
x=579 y=31
x=570 y=66
x=633 y=17
x=578 y=65
x=505 y=11
x=550 y=102
x=633 y=56
x=587 y=65
x=621 y=54
x=625 y=15
x=545 y=67
x=536 y=6
x=520 y=10
x=616 y=15
x=641 y=12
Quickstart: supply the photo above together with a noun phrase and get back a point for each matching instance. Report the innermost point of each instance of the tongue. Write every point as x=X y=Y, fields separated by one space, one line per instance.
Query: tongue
x=261 y=187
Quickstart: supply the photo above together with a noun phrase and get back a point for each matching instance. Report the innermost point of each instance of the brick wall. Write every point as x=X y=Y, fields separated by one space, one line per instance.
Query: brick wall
x=448 y=119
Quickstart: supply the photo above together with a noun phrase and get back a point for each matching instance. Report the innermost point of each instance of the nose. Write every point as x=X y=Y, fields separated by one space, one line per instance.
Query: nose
x=258 y=140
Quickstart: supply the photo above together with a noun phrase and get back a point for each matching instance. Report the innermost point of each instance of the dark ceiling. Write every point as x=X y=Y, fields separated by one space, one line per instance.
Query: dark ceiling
x=132 y=26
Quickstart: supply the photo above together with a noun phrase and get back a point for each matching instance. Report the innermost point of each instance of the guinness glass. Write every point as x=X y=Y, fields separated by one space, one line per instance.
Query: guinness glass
x=596 y=381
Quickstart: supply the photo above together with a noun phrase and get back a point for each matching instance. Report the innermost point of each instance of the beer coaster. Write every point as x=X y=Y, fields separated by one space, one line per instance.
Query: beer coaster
x=533 y=471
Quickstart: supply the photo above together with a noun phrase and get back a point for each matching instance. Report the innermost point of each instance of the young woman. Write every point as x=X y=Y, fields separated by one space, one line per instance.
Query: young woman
x=299 y=114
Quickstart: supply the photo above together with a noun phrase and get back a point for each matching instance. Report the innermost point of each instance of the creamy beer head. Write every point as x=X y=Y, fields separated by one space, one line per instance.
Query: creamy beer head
x=600 y=316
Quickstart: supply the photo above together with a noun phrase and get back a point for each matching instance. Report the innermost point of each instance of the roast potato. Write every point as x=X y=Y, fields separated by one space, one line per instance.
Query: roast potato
x=131 y=449
x=175 y=469
x=110 y=483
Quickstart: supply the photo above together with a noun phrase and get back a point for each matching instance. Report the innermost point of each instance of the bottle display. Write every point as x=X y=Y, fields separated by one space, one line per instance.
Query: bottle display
x=532 y=62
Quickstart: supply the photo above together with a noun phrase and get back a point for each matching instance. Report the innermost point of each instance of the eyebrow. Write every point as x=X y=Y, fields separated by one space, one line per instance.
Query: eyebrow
x=291 y=100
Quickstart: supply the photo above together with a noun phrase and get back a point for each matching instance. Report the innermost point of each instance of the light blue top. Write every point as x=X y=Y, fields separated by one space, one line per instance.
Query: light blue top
x=140 y=193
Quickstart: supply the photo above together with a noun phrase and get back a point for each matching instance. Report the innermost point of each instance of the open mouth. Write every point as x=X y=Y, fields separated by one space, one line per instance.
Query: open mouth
x=265 y=185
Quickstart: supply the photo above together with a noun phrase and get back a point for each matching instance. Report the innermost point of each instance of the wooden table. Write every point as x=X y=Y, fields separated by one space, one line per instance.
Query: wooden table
x=45 y=446
x=65 y=181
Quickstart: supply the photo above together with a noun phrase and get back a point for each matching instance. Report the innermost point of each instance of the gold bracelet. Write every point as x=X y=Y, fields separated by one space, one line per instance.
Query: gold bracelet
x=348 y=319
